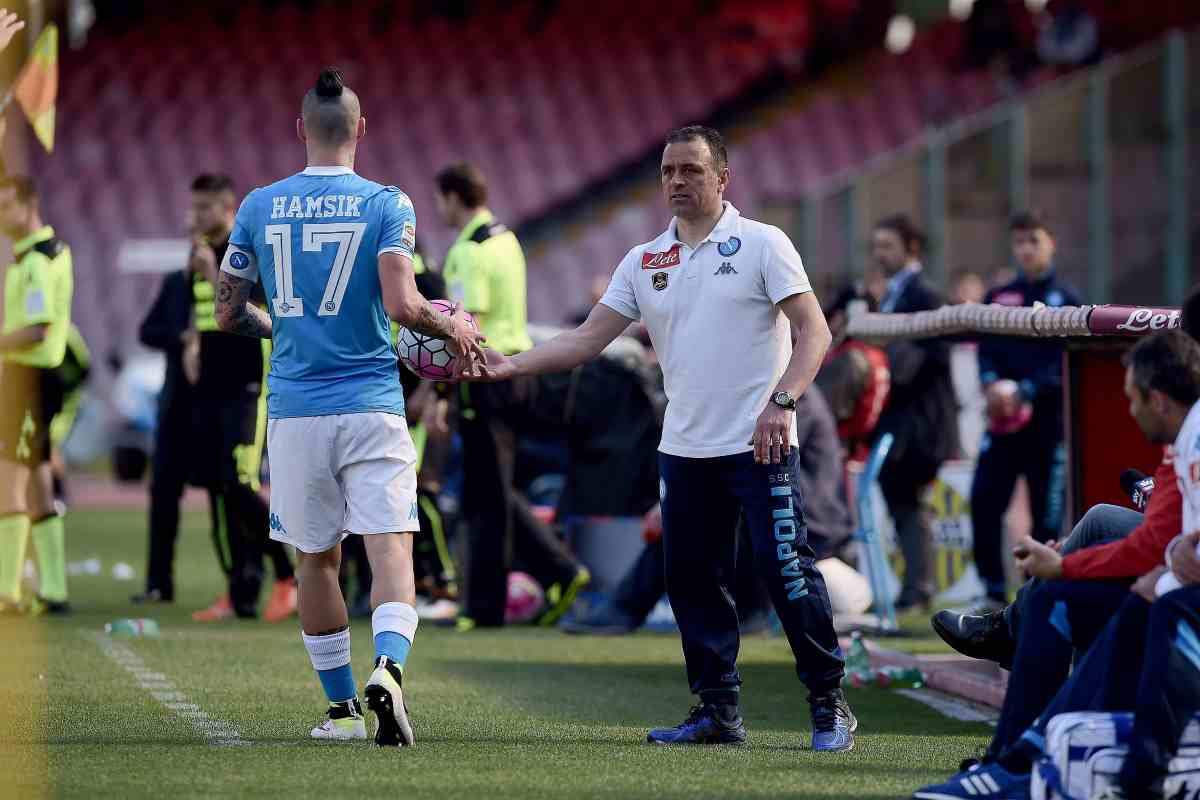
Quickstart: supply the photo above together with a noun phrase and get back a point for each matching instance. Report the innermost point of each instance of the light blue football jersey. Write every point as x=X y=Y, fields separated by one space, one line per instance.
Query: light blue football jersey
x=313 y=240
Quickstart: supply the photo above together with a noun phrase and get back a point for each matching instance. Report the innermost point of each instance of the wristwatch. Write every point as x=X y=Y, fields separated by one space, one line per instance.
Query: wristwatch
x=784 y=400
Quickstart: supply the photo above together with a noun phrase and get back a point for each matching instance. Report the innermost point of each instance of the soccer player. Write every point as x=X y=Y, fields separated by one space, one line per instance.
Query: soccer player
x=720 y=295
x=334 y=253
x=37 y=320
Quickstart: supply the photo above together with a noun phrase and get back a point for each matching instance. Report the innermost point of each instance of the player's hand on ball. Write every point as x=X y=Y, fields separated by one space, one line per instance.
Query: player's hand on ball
x=466 y=342
x=10 y=24
x=1037 y=560
x=772 y=433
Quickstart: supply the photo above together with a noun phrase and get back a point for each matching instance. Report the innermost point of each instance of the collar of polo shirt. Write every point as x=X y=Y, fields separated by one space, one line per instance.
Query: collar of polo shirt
x=726 y=227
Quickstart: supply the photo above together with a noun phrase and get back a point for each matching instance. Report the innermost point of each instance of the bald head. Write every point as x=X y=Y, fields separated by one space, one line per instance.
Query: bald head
x=330 y=110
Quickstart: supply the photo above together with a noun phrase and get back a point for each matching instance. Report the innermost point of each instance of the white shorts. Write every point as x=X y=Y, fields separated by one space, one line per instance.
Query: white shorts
x=340 y=474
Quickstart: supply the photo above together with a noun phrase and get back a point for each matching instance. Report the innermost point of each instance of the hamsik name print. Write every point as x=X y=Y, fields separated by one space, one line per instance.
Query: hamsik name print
x=331 y=205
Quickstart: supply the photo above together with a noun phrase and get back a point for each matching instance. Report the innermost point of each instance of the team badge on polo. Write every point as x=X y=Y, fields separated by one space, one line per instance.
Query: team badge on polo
x=659 y=281
x=729 y=246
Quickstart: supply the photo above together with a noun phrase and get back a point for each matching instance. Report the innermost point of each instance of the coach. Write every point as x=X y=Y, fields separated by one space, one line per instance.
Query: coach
x=720 y=295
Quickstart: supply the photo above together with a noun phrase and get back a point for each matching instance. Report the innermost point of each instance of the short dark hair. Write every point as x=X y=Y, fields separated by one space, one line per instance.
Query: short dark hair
x=212 y=182
x=330 y=109
x=1031 y=220
x=26 y=188
x=465 y=180
x=711 y=136
x=912 y=237
x=1168 y=361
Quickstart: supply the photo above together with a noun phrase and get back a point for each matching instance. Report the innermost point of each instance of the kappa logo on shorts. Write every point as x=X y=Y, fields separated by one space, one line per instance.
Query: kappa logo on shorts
x=412 y=511
x=276 y=525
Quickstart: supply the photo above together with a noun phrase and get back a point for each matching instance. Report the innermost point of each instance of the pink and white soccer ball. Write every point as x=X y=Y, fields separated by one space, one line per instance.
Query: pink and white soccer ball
x=428 y=357
x=525 y=599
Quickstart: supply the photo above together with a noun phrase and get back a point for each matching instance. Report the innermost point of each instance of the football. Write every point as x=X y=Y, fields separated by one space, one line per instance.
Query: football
x=426 y=356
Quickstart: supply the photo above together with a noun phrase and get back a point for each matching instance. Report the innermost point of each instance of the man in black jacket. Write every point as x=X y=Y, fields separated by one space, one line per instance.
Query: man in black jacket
x=167 y=327
x=921 y=412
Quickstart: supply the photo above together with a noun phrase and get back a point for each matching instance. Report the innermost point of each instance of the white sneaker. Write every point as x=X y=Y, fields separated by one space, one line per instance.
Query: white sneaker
x=387 y=701
x=344 y=721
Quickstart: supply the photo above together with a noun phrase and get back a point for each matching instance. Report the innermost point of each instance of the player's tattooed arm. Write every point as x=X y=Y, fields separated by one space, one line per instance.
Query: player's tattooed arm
x=429 y=322
x=235 y=313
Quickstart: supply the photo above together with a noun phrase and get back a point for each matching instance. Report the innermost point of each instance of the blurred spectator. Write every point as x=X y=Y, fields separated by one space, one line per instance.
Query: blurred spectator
x=820 y=482
x=596 y=290
x=855 y=377
x=994 y=39
x=485 y=271
x=966 y=287
x=921 y=410
x=1022 y=380
x=1071 y=38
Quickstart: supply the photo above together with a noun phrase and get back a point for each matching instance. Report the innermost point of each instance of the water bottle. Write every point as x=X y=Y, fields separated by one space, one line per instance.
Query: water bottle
x=132 y=627
x=858 y=661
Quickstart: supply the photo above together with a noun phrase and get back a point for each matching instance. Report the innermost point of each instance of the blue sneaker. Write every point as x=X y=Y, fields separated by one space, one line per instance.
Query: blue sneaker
x=833 y=723
x=704 y=725
x=979 y=782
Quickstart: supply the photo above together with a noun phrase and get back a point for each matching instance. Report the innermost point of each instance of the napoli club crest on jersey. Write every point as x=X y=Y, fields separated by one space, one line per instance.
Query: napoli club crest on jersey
x=729 y=246
x=659 y=281
x=239 y=261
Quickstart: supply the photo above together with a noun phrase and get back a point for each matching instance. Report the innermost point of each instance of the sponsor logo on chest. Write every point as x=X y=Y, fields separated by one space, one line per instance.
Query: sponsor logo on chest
x=664 y=260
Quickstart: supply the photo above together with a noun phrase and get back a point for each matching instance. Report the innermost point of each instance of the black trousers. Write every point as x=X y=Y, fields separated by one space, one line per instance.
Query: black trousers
x=232 y=432
x=702 y=501
x=903 y=480
x=1059 y=618
x=1036 y=452
x=501 y=525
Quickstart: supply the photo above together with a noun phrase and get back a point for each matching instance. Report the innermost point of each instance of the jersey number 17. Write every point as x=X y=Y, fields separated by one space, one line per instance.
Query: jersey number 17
x=314 y=236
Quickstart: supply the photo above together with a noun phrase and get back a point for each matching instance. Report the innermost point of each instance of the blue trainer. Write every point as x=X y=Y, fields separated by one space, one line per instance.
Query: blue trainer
x=979 y=782
x=706 y=724
x=832 y=721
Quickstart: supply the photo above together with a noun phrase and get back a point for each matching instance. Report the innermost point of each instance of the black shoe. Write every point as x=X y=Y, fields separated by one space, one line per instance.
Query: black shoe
x=151 y=597
x=59 y=608
x=706 y=724
x=982 y=636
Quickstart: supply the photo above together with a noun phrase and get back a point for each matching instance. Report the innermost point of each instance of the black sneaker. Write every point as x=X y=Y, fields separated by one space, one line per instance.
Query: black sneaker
x=982 y=636
x=151 y=597
x=706 y=724
x=59 y=608
x=833 y=722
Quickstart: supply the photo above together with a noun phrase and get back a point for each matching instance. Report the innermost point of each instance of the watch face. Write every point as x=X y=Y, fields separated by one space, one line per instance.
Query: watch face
x=783 y=399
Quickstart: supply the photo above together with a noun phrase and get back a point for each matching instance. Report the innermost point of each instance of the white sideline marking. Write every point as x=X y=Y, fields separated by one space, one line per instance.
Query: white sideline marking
x=159 y=687
x=949 y=706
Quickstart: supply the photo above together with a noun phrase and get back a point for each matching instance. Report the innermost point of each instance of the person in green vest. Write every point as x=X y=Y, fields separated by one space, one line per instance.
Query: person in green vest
x=485 y=272
x=33 y=342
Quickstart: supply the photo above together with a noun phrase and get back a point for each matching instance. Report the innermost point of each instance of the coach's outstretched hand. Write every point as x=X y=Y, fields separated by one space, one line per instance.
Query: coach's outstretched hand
x=496 y=367
x=466 y=341
x=10 y=24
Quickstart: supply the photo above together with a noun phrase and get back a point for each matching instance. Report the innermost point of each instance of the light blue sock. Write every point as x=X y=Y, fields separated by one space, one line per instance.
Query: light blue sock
x=338 y=683
x=330 y=656
x=392 y=645
x=395 y=627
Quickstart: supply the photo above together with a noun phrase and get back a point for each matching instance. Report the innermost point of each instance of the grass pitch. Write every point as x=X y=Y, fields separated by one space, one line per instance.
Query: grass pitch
x=514 y=713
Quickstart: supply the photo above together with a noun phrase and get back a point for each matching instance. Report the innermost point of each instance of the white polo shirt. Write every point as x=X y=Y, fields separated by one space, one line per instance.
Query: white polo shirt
x=714 y=319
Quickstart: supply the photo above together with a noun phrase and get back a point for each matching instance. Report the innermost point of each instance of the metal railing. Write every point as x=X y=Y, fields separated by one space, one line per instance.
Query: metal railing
x=1104 y=152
